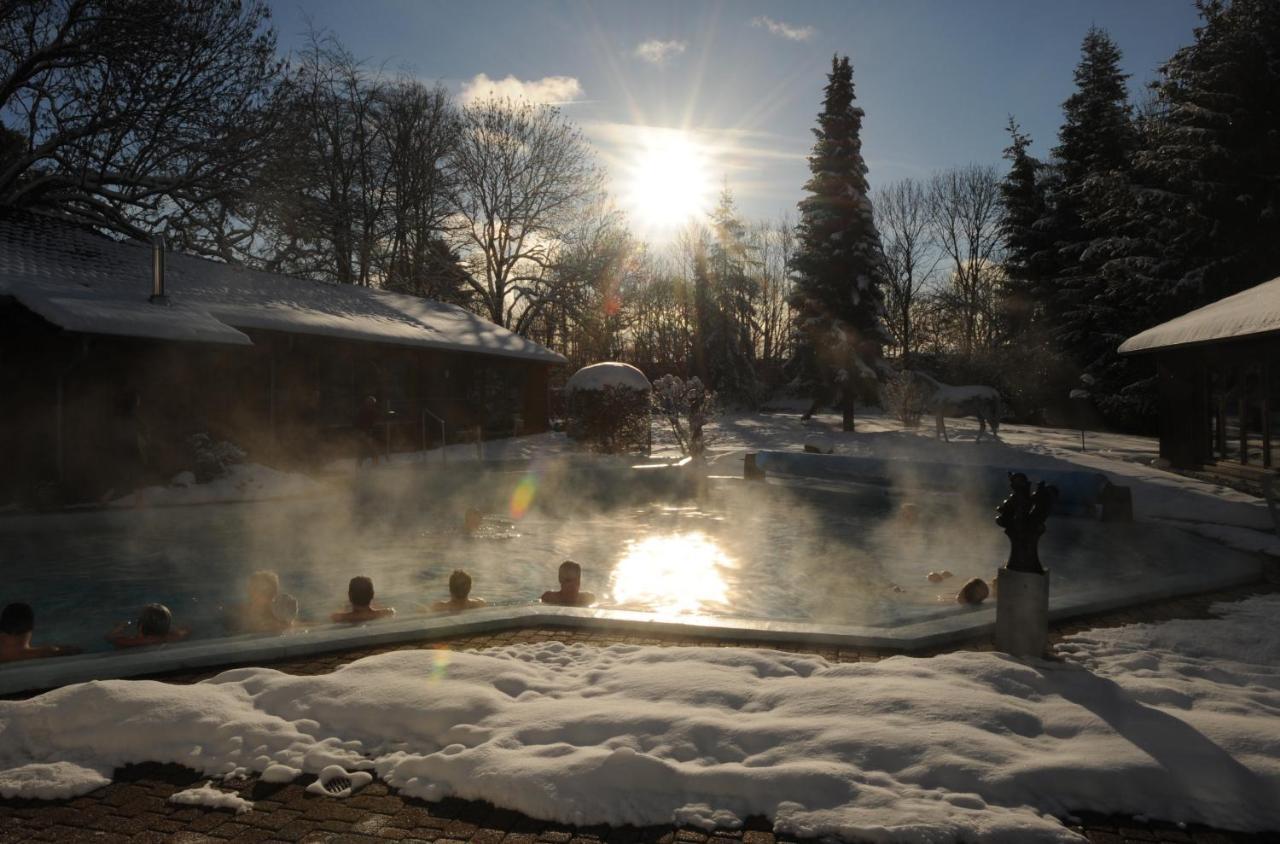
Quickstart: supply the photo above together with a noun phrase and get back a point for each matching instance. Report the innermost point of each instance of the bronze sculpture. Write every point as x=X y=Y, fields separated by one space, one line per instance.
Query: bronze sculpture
x=1022 y=515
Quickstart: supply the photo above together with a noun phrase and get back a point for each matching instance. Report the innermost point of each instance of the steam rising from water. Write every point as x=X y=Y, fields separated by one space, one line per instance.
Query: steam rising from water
x=664 y=540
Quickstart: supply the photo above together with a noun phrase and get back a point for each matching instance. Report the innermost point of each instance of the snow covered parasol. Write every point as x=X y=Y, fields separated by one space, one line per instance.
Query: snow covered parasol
x=598 y=376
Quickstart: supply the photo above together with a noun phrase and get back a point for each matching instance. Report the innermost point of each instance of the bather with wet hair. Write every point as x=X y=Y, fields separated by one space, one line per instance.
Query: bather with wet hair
x=154 y=626
x=17 y=623
x=360 y=596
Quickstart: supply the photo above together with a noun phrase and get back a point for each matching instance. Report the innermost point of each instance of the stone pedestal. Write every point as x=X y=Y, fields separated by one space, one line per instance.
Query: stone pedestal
x=1022 y=613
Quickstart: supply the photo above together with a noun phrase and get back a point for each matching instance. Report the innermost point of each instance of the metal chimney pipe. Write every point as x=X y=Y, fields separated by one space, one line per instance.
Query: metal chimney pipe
x=158 y=296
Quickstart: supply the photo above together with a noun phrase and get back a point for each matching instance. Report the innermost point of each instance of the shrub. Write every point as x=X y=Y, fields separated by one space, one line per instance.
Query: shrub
x=213 y=458
x=905 y=398
x=613 y=419
x=686 y=405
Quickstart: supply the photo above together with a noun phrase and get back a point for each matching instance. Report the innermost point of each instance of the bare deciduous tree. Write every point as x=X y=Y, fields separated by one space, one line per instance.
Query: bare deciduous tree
x=774 y=244
x=133 y=115
x=902 y=213
x=419 y=128
x=522 y=172
x=964 y=209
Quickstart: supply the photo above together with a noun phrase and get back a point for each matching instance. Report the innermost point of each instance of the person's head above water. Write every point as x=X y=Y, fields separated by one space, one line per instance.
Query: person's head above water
x=263 y=586
x=459 y=585
x=360 y=591
x=18 y=619
x=155 y=620
x=570 y=576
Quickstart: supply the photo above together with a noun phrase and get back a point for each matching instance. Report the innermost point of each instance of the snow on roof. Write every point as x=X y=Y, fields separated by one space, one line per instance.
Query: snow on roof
x=83 y=281
x=1250 y=312
x=597 y=376
x=127 y=318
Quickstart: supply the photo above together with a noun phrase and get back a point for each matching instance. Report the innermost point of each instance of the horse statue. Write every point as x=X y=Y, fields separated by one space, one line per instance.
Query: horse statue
x=942 y=400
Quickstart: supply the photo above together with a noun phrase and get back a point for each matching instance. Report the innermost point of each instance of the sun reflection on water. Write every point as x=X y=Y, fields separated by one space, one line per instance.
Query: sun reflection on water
x=678 y=573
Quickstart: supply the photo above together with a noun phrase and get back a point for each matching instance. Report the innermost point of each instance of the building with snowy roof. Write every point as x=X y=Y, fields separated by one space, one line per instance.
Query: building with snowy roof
x=96 y=368
x=1219 y=371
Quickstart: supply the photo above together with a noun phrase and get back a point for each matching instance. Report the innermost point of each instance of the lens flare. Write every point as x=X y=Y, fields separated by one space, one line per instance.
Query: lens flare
x=440 y=665
x=523 y=495
x=681 y=573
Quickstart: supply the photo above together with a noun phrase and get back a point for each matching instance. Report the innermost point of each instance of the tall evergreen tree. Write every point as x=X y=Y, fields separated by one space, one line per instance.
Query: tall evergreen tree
x=1209 y=173
x=1022 y=199
x=1201 y=218
x=839 y=265
x=729 y=352
x=1095 y=146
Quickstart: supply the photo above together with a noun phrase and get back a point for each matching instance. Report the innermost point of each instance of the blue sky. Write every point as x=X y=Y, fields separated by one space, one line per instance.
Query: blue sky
x=937 y=78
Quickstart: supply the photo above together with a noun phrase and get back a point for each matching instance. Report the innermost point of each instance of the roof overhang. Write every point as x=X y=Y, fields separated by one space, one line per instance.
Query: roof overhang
x=130 y=318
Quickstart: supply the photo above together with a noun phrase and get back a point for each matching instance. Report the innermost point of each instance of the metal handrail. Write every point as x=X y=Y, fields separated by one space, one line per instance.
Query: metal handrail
x=425 y=414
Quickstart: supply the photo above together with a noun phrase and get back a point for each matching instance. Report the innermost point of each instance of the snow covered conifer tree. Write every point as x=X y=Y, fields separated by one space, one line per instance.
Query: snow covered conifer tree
x=729 y=352
x=1202 y=216
x=1022 y=200
x=1209 y=172
x=1095 y=145
x=839 y=265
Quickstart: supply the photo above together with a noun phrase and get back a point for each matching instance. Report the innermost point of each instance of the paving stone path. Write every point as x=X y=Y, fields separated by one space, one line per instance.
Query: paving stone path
x=135 y=807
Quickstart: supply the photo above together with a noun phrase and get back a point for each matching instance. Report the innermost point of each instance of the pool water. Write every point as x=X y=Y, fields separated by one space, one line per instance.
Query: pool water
x=839 y=554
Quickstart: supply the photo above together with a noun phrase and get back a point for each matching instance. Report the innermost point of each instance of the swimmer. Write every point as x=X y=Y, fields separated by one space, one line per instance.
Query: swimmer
x=974 y=591
x=257 y=614
x=360 y=594
x=459 y=594
x=569 y=594
x=17 y=622
x=153 y=627
x=472 y=520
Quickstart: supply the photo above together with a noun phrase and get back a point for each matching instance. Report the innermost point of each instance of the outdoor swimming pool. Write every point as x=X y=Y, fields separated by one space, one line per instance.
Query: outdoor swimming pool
x=835 y=554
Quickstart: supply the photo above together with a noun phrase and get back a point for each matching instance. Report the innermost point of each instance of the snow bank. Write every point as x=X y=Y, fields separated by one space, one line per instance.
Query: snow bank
x=1178 y=721
x=244 y=482
x=210 y=797
x=597 y=376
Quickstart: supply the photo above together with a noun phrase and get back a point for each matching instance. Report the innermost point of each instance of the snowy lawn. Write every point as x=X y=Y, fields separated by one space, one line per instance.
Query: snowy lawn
x=1178 y=721
x=243 y=482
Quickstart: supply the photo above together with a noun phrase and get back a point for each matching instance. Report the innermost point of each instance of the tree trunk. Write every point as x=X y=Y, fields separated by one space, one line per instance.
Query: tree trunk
x=846 y=407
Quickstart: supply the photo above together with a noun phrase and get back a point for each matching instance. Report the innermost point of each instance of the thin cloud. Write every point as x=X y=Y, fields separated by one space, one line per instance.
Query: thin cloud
x=731 y=149
x=784 y=30
x=549 y=90
x=658 y=52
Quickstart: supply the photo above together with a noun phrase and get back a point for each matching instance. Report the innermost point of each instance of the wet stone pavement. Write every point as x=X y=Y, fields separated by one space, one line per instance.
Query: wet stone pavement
x=135 y=807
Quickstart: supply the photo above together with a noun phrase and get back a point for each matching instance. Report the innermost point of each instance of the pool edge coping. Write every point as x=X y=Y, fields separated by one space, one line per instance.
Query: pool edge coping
x=51 y=673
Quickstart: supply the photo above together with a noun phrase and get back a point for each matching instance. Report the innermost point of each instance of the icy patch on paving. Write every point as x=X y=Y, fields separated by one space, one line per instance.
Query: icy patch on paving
x=210 y=797
x=1179 y=721
x=50 y=780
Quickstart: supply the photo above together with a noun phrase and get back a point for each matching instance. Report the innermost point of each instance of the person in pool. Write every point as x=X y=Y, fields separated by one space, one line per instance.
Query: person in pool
x=17 y=623
x=153 y=627
x=360 y=594
x=459 y=594
x=974 y=591
x=570 y=593
x=257 y=615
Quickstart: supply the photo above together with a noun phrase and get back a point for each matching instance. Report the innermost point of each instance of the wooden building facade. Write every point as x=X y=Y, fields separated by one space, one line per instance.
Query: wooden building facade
x=1219 y=382
x=101 y=388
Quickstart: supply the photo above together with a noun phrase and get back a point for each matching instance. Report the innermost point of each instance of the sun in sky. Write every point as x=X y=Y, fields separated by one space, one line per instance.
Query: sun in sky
x=669 y=179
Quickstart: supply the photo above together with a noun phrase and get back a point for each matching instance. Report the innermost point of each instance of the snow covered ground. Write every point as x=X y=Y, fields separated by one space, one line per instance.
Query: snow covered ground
x=244 y=482
x=1178 y=721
